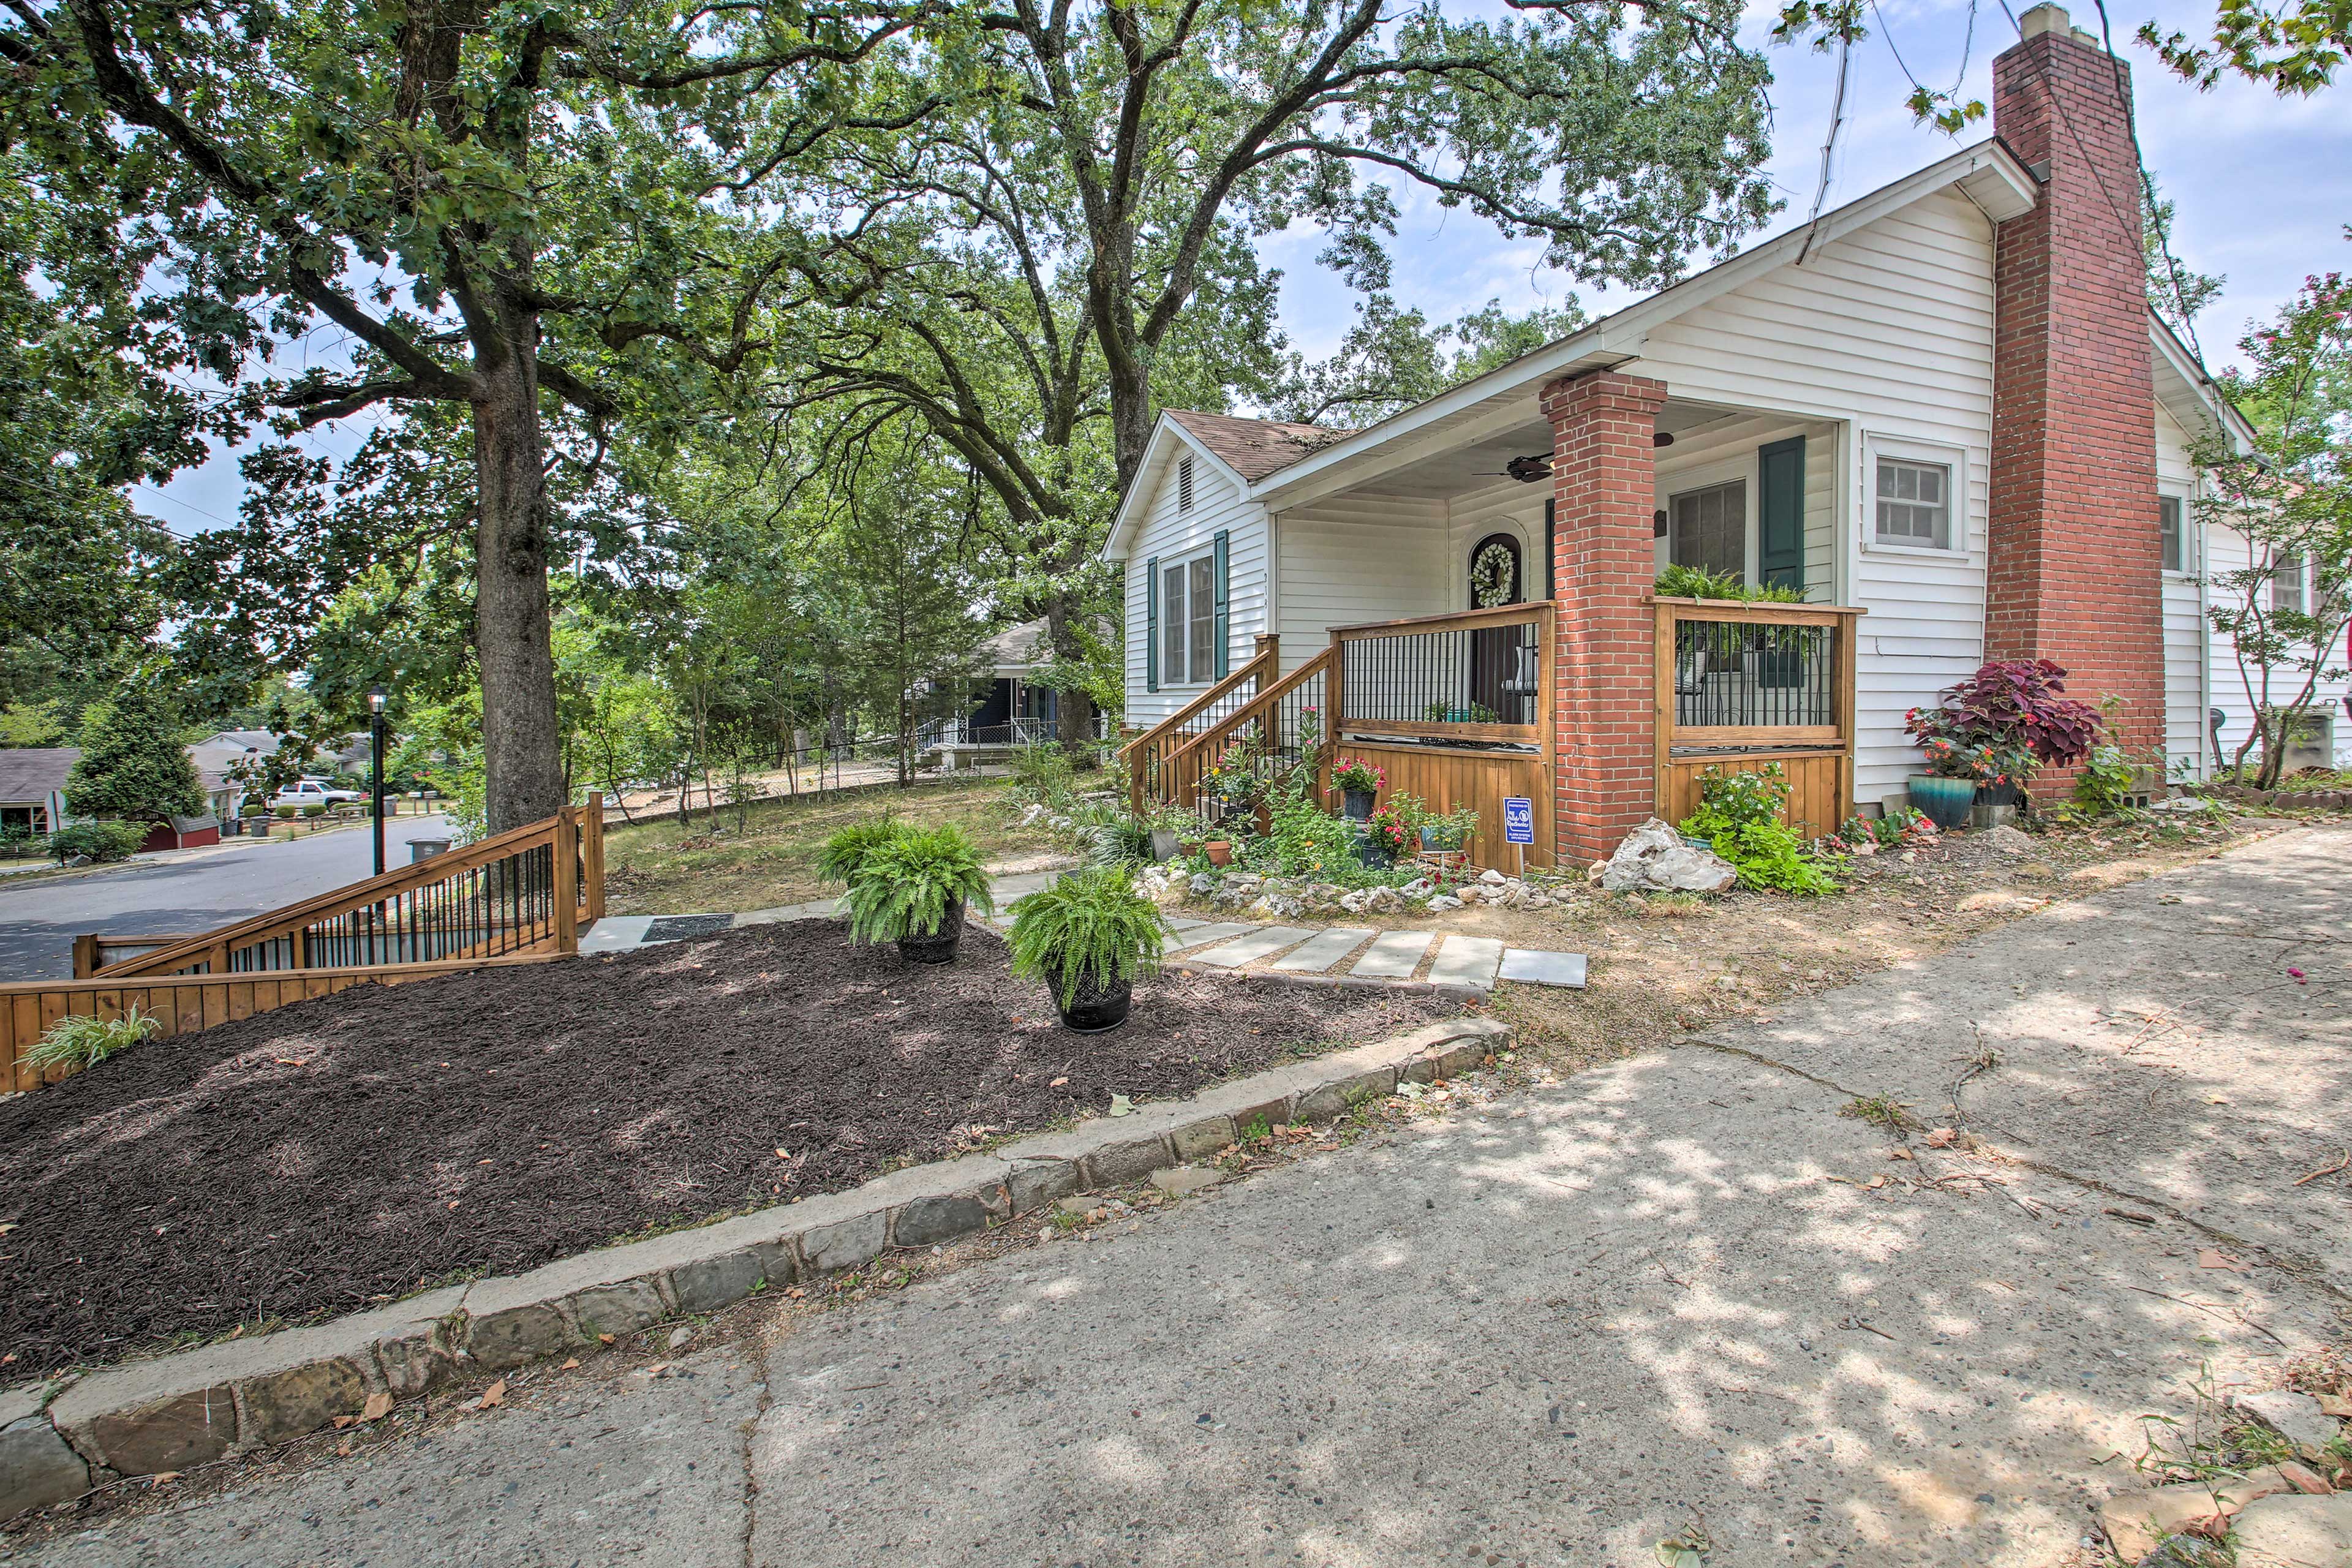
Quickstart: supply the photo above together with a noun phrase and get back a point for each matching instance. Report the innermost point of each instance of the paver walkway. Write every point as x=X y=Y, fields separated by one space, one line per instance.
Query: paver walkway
x=1678 y=1292
x=1218 y=944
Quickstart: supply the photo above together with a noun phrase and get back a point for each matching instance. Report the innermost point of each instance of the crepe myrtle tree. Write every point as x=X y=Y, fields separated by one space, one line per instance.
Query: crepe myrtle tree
x=2289 y=496
x=495 y=207
x=1067 y=244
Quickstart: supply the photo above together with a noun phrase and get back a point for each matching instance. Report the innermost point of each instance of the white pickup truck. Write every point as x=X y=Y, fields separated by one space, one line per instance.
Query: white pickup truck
x=313 y=792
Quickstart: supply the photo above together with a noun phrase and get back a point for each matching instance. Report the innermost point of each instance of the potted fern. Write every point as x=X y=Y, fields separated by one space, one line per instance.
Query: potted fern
x=846 y=849
x=913 y=889
x=1087 y=935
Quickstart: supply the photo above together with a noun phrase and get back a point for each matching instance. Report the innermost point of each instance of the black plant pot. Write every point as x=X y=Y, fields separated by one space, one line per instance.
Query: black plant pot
x=1357 y=804
x=939 y=946
x=1097 y=1007
x=2000 y=795
x=1374 y=856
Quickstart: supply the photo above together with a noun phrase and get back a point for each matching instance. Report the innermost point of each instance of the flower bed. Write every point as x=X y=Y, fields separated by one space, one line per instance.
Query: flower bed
x=343 y=1151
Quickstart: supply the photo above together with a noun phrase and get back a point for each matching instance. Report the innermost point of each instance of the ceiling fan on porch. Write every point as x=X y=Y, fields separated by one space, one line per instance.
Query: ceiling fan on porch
x=1537 y=466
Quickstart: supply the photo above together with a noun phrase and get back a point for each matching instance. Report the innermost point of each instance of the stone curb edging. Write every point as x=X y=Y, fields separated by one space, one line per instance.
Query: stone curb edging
x=235 y=1397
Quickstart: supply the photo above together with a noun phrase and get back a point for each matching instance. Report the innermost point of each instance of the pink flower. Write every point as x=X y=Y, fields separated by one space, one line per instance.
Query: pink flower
x=2298 y=976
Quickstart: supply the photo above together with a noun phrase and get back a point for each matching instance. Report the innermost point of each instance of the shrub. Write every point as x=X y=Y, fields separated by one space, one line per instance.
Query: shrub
x=1739 y=815
x=1698 y=583
x=1999 y=724
x=311 y=811
x=903 y=887
x=1302 y=839
x=99 y=840
x=284 y=814
x=1091 y=928
x=1122 y=841
x=76 y=1043
x=846 y=849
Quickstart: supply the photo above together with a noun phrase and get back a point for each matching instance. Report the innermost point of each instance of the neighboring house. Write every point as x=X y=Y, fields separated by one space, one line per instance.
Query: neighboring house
x=33 y=787
x=1015 y=708
x=218 y=753
x=1943 y=411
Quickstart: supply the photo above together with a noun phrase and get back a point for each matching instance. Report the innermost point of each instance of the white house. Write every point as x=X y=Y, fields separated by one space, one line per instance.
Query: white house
x=1943 y=412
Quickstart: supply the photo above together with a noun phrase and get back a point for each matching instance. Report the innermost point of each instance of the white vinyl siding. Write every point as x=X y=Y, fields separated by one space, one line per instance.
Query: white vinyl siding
x=1174 y=535
x=1355 y=558
x=1728 y=449
x=2185 y=633
x=2227 y=551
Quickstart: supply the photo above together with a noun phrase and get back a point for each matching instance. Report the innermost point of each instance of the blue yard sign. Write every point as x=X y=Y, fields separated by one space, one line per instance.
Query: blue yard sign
x=1518 y=820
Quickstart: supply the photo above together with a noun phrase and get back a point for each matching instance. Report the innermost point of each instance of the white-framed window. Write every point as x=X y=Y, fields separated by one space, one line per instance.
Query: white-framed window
x=1912 y=503
x=2287 y=591
x=1707 y=528
x=2172 y=532
x=1184 y=484
x=1188 y=619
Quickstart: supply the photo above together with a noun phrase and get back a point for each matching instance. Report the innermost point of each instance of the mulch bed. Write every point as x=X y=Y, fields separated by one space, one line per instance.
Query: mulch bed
x=333 y=1154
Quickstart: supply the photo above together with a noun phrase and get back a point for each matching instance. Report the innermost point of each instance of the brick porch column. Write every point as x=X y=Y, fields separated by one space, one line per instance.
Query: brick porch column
x=1604 y=653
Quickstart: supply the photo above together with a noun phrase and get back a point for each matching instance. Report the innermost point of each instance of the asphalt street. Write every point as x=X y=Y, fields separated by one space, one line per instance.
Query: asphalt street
x=40 y=916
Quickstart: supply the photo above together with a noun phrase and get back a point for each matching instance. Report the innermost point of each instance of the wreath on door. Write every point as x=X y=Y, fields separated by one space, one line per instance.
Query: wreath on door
x=1494 y=576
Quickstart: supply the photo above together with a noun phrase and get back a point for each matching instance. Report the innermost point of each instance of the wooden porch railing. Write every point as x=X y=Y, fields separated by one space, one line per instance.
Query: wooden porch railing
x=1743 y=684
x=1154 y=771
x=529 y=889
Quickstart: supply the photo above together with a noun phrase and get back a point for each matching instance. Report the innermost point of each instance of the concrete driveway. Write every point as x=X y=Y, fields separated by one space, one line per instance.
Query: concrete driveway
x=1682 y=1293
x=39 y=917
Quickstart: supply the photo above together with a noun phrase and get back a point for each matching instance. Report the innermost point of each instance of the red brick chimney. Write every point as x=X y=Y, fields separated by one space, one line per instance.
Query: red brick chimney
x=2074 y=572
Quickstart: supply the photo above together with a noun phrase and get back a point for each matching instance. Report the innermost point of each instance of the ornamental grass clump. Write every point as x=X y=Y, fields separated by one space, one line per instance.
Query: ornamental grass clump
x=1087 y=931
x=76 y=1043
x=916 y=886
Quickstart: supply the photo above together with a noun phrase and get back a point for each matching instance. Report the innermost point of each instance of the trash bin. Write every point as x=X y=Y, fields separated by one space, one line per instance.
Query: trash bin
x=426 y=849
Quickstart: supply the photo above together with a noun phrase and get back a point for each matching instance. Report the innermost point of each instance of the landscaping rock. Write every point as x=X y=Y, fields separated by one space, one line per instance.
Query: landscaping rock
x=1442 y=903
x=1118 y=1163
x=37 y=1466
x=1199 y=1139
x=1203 y=884
x=1383 y=902
x=1183 y=1181
x=2137 y=1523
x=1036 y=1183
x=1492 y=878
x=1653 y=858
x=2009 y=840
x=929 y=1222
x=2288 y=1532
x=847 y=1244
x=2297 y=1418
x=1419 y=888
x=1352 y=902
x=300 y=1400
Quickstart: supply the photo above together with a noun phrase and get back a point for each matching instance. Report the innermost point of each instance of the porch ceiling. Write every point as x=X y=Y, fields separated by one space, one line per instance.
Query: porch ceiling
x=1479 y=465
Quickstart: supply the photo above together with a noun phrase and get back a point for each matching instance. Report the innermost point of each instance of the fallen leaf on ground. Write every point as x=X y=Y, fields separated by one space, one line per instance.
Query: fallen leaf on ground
x=1941 y=1138
x=2214 y=1257
x=603 y=1339
x=1120 y=1105
x=378 y=1407
x=569 y=1364
x=495 y=1395
x=1057 y=1083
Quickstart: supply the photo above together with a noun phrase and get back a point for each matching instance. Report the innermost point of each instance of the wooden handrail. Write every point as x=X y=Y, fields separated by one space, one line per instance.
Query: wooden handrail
x=1519 y=734
x=292 y=918
x=1255 y=706
x=1758 y=612
x=1456 y=620
x=1259 y=663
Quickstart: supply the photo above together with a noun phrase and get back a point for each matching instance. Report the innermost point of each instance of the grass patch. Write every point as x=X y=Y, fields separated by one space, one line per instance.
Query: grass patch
x=1880 y=1111
x=657 y=868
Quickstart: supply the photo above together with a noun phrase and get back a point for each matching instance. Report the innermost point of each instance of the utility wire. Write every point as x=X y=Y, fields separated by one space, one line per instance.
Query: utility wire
x=2147 y=187
x=1837 y=119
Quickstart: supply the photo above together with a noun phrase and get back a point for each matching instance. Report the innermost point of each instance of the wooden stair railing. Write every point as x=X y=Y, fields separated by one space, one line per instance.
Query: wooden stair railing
x=1276 y=717
x=1149 y=756
x=529 y=889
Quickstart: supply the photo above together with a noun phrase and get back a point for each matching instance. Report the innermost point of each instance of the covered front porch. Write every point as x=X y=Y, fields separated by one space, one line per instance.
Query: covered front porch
x=1477 y=618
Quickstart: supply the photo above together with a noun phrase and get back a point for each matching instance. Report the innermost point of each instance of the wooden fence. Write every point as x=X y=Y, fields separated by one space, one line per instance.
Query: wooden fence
x=521 y=897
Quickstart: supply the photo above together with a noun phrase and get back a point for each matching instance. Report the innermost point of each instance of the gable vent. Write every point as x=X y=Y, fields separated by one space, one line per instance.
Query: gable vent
x=1184 y=484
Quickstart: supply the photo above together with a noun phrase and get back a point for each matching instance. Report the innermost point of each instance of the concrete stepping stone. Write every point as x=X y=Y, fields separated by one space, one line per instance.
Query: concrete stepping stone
x=1249 y=949
x=615 y=934
x=1534 y=966
x=1467 y=961
x=1315 y=957
x=1223 y=930
x=1395 y=956
x=1181 y=923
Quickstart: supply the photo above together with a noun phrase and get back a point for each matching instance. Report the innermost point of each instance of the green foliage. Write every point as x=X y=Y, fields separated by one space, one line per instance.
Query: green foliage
x=846 y=850
x=1044 y=772
x=133 y=763
x=2294 y=48
x=1302 y=839
x=1089 y=927
x=1698 y=583
x=1447 y=830
x=78 y=1042
x=1444 y=712
x=43 y=724
x=1739 y=815
x=2103 y=787
x=904 y=885
x=1120 y=841
x=101 y=841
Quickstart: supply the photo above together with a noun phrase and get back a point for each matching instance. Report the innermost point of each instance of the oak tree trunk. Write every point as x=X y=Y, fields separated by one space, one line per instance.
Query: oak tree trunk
x=521 y=753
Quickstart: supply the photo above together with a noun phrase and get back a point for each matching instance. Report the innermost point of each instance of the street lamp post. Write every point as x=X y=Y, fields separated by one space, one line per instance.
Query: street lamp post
x=376 y=769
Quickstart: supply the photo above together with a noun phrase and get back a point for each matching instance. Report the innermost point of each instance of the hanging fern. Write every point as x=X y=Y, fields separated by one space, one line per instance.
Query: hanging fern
x=903 y=885
x=847 y=849
x=1091 y=927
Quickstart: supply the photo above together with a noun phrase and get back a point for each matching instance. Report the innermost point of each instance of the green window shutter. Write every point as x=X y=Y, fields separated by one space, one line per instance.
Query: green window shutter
x=1224 y=601
x=1151 y=625
x=1551 y=545
x=1781 y=513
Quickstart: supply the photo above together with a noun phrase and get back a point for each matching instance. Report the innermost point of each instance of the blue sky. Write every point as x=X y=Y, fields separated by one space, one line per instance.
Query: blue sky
x=2263 y=188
